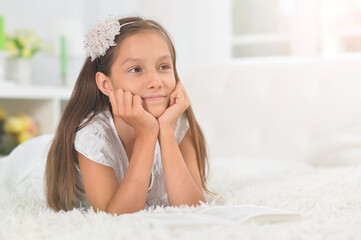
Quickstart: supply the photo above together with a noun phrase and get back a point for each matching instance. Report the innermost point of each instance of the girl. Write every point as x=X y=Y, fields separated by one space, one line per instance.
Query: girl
x=128 y=138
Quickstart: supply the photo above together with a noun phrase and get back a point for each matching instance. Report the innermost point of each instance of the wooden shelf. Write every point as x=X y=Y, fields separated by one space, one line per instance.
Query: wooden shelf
x=44 y=103
x=34 y=92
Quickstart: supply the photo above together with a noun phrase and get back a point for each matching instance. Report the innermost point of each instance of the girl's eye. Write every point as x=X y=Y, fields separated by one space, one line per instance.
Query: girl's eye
x=134 y=70
x=164 y=67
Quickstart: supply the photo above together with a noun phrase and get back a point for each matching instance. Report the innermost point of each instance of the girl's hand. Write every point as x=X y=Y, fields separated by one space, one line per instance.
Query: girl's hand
x=129 y=108
x=179 y=102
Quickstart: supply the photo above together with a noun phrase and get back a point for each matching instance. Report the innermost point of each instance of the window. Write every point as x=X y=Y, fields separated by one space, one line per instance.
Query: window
x=295 y=27
x=261 y=27
x=341 y=22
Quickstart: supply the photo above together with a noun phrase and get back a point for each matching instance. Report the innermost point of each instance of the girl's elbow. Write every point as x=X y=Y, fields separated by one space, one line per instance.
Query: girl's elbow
x=121 y=211
x=201 y=201
x=193 y=203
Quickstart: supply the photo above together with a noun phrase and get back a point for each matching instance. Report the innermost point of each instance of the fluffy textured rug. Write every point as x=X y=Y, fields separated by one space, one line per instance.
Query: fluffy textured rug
x=328 y=196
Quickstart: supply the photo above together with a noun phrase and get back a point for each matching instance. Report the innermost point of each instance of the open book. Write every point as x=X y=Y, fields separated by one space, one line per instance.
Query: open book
x=227 y=215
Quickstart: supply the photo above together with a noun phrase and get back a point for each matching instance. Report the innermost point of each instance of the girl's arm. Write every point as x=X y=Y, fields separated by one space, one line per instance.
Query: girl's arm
x=100 y=183
x=180 y=169
x=180 y=166
x=102 y=187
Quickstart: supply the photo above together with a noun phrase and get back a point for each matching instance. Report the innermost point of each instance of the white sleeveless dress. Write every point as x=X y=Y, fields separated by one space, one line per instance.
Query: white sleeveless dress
x=23 y=169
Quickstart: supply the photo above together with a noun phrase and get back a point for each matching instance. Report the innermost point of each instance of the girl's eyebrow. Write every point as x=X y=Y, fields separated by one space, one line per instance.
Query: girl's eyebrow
x=140 y=59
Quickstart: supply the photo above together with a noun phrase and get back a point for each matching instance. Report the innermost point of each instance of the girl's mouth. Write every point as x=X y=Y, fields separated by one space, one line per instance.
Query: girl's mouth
x=154 y=98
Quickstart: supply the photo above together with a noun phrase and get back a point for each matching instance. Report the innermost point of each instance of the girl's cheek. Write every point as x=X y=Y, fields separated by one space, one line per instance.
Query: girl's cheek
x=126 y=87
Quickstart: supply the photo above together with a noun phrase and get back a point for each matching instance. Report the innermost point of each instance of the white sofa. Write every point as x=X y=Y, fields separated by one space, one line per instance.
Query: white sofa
x=279 y=107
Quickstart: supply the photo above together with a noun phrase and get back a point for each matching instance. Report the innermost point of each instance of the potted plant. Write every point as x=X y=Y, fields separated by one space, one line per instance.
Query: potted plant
x=22 y=46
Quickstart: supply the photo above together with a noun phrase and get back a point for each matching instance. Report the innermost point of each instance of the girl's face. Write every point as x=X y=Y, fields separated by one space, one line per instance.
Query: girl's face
x=144 y=67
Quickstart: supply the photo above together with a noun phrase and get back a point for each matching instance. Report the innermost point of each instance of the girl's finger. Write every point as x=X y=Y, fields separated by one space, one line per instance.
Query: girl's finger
x=171 y=101
x=173 y=97
x=128 y=102
x=179 y=85
x=181 y=88
x=185 y=95
x=137 y=102
x=183 y=92
x=113 y=102
x=120 y=102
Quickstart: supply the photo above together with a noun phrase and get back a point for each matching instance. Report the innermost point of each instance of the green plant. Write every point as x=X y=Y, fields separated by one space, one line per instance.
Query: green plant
x=23 y=43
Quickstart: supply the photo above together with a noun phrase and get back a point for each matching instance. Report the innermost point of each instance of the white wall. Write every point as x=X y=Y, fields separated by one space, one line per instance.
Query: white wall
x=200 y=29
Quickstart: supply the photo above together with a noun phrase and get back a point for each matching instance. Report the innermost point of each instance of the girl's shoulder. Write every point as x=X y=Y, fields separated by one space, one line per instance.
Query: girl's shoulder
x=100 y=123
x=96 y=132
x=96 y=140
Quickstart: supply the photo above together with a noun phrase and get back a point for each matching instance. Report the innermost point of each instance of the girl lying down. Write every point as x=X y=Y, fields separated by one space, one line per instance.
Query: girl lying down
x=128 y=138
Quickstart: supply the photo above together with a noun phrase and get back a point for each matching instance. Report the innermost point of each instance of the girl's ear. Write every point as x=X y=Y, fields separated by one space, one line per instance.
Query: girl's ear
x=104 y=83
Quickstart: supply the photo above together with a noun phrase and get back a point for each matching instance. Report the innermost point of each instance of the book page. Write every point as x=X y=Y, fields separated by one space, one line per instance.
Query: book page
x=243 y=213
x=187 y=219
x=229 y=215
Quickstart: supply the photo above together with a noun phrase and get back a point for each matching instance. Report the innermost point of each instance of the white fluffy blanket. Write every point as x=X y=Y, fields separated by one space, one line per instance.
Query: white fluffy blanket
x=328 y=196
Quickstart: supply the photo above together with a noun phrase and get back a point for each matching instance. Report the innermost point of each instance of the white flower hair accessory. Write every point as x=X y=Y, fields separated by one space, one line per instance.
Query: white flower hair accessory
x=100 y=37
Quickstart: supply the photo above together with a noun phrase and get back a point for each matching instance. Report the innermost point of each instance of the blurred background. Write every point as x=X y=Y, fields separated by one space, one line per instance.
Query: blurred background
x=267 y=78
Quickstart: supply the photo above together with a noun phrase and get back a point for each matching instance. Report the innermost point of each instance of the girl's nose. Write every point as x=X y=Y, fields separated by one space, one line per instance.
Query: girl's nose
x=154 y=80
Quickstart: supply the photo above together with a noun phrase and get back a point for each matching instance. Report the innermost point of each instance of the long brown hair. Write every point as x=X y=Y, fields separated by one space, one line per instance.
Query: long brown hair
x=87 y=100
